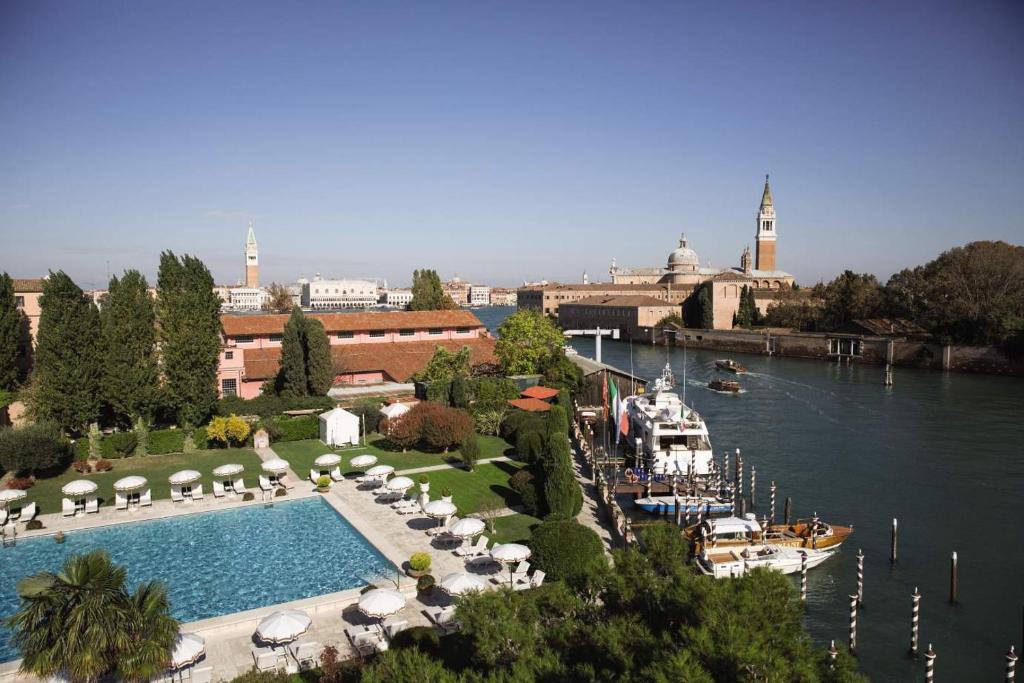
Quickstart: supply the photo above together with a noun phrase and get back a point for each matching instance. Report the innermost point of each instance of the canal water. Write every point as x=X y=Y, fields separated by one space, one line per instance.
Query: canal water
x=942 y=452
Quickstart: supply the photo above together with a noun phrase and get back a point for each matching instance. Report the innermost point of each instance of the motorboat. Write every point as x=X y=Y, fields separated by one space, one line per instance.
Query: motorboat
x=725 y=386
x=666 y=505
x=810 y=534
x=729 y=365
x=734 y=562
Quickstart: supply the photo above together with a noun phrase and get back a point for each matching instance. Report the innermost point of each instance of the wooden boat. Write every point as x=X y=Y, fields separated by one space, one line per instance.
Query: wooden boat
x=812 y=534
x=666 y=505
x=724 y=385
x=729 y=365
x=725 y=563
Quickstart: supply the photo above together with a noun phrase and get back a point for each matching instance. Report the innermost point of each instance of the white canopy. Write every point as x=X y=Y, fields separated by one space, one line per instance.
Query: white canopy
x=327 y=460
x=467 y=527
x=188 y=648
x=733 y=525
x=79 y=487
x=11 y=495
x=507 y=553
x=380 y=471
x=381 y=602
x=184 y=477
x=339 y=427
x=275 y=465
x=229 y=470
x=439 y=508
x=365 y=460
x=283 y=626
x=461 y=583
x=131 y=483
x=400 y=484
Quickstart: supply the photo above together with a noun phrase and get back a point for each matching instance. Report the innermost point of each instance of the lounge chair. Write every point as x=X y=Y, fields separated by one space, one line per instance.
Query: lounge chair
x=365 y=642
x=392 y=628
x=265 y=483
x=204 y=675
x=444 y=620
x=197 y=492
x=336 y=474
x=67 y=507
x=314 y=475
x=176 y=496
x=218 y=489
x=521 y=571
x=534 y=581
x=120 y=501
x=146 y=499
x=264 y=658
x=240 y=486
x=473 y=550
x=304 y=654
x=283 y=481
x=28 y=513
x=3 y=517
x=92 y=505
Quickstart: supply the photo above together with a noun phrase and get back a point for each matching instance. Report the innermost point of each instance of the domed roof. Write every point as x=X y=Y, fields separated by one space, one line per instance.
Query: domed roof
x=683 y=256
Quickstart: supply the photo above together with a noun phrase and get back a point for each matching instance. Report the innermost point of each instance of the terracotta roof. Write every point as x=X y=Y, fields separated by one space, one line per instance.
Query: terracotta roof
x=28 y=284
x=630 y=300
x=542 y=393
x=596 y=287
x=235 y=325
x=397 y=360
x=532 y=405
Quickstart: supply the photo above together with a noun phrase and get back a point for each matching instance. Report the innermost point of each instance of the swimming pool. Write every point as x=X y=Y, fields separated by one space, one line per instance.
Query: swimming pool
x=214 y=563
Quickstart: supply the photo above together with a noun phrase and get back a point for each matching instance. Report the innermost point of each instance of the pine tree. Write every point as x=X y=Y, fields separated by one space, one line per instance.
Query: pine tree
x=10 y=322
x=130 y=373
x=67 y=372
x=292 y=379
x=427 y=293
x=319 y=369
x=188 y=312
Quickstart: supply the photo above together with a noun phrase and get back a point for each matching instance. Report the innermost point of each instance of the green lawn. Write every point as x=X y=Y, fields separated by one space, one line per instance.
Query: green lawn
x=513 y=528
x=472 y=491
x=156 y=468
x=301 y=454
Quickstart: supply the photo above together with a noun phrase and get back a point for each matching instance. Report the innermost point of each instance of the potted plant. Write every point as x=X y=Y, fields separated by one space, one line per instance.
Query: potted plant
x=446 y=494
x=424 y=483
x=425 y=583
x=419 y=564
x=323 y=483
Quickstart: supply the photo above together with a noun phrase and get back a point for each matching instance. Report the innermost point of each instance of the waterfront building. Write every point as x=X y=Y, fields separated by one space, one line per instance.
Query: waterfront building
x=635 y=316
x=547 y=298
x=503 y=296
x=321 y=294
x=479 y=295
x=245 y=298
x=366 y=348
x=457 y=289
x=399 y=298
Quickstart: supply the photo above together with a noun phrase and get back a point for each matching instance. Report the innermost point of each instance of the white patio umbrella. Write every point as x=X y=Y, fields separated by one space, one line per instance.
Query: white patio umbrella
x=10 y=495
x=467 y=527
x=79 y=487
x=184 y=477
x=381 y=602
x=510 y=553
x=229 y=470
x=361 y=461
x=461 y=583
x=188 y=648
x=283 y=626
x=380 y=471
x=132 y=483
x=275 y=466
x=327 y=460
x=399 y=484
x=439 y=509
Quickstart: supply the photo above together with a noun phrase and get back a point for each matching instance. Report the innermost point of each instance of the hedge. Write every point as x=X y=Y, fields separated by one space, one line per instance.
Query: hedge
x=293 y=428
x=118 y=445
x=567 y=551
x=162 y=441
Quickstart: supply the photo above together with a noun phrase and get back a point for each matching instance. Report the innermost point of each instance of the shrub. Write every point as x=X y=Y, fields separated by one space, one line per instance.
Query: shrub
x=423 y=638
x=530 y=446
x=81 y=449
x=255 y=676
x=566 y=550
x=294 y=428
x=419 y=562
x=446 y=492
x=33 y=448
x=425 y=583
x=470 y=451
x=489 y=420
x=200 y=439
x=525 y=483
x=460 y=392
x=404 y=432
x=439 y=392
x=227 y=431
x=102 y=466
x=81 y=466
x=280 y=493
x=119 y=445
x=323 y=482
x=20 y=483
x=248 y=495
x=33 y=525
x=446 y=428
x=368 y=411
x=494 y=391
x=162 y=441
x=424 y=479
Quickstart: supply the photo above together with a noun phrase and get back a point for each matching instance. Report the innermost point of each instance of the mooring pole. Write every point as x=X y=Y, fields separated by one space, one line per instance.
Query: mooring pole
x=803 y=577
x=833 y=653
x=739 y=480
x=753 y=488
x=953 y=583
x=860 y=576
x=788 y=509
x=915 y=617
x=679 y=506
x=929 y=664
x=771 y=503
x=1011 y=666
x=725 y=468
x=853 y=624
x=893 y=538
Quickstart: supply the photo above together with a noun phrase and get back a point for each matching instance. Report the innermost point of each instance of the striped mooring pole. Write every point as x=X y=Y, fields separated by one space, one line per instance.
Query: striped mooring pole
x=860 y=576
x=853 y=624
x=893 y=537
x=915 y=621
x=725 y=467
x=929 y=664
x=833 y=654
x=753 y=488
x=771 y=503
x=679 y=508
x=803 y=577
x=788 y=509
x=954 y=583
x=1011 y=665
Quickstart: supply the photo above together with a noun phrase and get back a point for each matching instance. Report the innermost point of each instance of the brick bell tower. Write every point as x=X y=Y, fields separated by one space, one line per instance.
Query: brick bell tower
x=764 y=258
x=252 y=260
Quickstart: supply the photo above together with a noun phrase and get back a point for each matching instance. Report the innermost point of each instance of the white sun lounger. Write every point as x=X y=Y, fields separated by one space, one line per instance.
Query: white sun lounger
x=534 y=581
x=67 y=507
x=444 y=620
x=521 y=571
x=92 y=505
x=265 y=484
x=473 y=550
x=393 y=628
x=3 y=517
x=240 y=486
x=197 y=492
x=304 y=654
x=336 y=474
x=314 y=475
x=176 y=496
x=146 y=499
x=28 y=512
x=365 y=642
x=264 y=658
x=218 y=489
x=120 y=501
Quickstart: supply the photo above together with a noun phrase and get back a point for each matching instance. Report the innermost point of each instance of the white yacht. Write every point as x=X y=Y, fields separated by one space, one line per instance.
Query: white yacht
x=673 y=436
x=733 y=561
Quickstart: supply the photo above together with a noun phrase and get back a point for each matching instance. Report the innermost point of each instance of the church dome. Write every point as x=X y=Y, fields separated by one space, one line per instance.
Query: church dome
x=683 y=256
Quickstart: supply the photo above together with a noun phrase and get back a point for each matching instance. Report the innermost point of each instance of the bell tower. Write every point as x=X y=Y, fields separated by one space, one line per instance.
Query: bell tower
x=765 y=245
x=252 y=260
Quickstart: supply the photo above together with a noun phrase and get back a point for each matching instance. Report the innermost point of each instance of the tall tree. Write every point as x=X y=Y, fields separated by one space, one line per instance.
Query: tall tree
x=427 y=293
x=279 y=299
x=10 y=321
x=528 y=343
x=188 y=312
x=292 y=378
x=319 y=369
x=130 y=372
x=67 y=370
x=851 y=296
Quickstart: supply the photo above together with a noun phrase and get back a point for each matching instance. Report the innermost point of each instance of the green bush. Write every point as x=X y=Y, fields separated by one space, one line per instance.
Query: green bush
x=119 y=445
x=253 y=675
x=200 y=439
x=419 y=562
x=470 y=451
x=567 y=551
x=36 y=447
x=280 y=493
x=163 y=441
x=423 y=638
x=248 y=495
x=530 y=446
x=440 y=392
x=81 y=449
x=33 y=525
x=294 y=428
x=323 y=482
x=425 y=583
x=527 y=485
x=493 y=391
x=368 y=411
x=460 y=392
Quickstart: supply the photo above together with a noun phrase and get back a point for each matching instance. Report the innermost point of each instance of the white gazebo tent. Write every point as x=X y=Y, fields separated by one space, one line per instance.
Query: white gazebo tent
x=339 y=427
x=80 y=497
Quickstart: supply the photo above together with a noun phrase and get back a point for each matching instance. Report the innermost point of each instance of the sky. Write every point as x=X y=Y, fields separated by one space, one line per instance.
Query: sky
x=504 y=142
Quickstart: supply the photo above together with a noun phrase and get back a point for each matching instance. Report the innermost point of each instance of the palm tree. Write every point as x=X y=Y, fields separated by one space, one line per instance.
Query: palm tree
x=153 y=633
x=81 y=622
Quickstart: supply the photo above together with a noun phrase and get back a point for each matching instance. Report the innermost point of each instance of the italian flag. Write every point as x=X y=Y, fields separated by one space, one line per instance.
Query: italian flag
x=619 y=412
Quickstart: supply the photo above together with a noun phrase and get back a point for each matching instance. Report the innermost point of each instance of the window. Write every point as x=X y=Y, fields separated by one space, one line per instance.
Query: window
x=376 y=333
x=244 y=339
x=229 y=387
x=407 y=333
x=344 y=335
x=229 y=355
x=276 y=337
x=435 y=331
x=19 y=302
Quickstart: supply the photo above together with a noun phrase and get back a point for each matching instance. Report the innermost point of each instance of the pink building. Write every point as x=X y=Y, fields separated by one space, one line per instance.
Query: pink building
x=366 y=348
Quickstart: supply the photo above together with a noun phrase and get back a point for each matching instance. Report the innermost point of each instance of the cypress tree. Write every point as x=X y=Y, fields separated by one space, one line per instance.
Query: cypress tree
x=67 y=371
x=707 y=314
x=10 y=321
x=562 y=494
x=292 y=377
x=130 y=374
x=188 y=312
x=319 y=369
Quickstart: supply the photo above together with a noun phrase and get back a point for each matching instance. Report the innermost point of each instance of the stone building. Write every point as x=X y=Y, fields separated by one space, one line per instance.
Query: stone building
x=633 y=315
x=547 y=298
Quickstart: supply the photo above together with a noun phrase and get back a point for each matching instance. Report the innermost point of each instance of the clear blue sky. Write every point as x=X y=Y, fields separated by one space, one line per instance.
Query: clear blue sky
x=504 y=141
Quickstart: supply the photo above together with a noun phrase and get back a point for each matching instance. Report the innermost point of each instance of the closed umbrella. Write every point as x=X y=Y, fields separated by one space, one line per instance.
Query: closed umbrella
x=361 y=461
x=510 y=553
x=188 y=648
x=275 y=466
x=283 y=626
x=132 y=483
x=327 y=460
x=381 y=603
x=10 y=495
x=229 y=470
x=184 y=477
x=399 y=484
x=461 y=583
x=79 y=487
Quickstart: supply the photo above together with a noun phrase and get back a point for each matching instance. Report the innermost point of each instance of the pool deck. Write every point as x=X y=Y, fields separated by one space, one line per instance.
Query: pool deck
x=229 y=638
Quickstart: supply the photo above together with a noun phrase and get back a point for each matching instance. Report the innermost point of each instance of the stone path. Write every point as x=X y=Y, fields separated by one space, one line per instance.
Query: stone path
x=591 y=515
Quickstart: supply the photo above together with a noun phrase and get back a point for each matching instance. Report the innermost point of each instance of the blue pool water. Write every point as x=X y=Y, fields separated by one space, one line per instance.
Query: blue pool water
x=215 y=563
